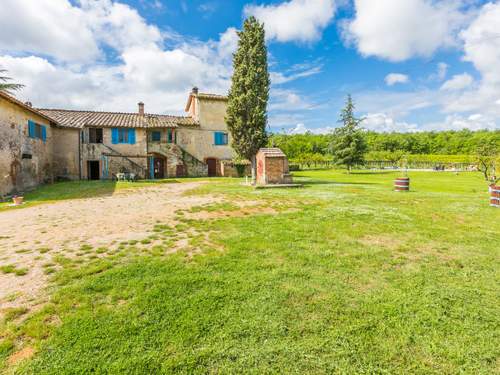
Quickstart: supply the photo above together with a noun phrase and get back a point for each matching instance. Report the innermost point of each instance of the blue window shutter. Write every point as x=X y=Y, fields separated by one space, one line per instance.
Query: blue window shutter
x=151 y=168
x=114 y=136
x=131 y=136
x=31 y=129
x=44 y=133
x=220 y=138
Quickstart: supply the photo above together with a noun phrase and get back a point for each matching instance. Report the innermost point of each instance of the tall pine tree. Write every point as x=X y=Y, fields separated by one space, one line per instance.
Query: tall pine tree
x=348 y=144
x=246 y=115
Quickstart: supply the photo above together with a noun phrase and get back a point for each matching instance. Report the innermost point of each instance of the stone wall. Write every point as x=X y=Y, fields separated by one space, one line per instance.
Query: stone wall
x=228 y=169
x=18 y=174
x=65 y=154
x=275 y=169
x=115 y=158
x=199 y=141
x=175 y=156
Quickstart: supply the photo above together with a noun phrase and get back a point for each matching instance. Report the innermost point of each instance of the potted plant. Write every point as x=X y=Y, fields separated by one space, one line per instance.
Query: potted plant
x=402 y=183
x=18 y=200
x=488 y=160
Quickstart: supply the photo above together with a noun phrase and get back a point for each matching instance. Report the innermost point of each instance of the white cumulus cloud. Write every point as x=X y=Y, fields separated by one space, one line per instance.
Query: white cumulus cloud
x=458 y=82
x=481 y=48
x=294 y=20
x=397 y=30
x=472 y=122
x=382 y=122
x=393 y=78
x=74 y=71
x=301 y=128
x=48 y=27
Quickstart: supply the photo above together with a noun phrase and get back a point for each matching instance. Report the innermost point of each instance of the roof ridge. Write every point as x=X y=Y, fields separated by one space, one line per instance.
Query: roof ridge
x=108 y=112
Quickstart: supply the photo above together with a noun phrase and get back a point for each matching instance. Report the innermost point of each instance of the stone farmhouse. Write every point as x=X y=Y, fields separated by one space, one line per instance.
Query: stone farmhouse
x=39 y=145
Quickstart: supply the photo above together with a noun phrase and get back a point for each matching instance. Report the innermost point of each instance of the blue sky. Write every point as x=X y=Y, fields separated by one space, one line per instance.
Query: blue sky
x=410 y=64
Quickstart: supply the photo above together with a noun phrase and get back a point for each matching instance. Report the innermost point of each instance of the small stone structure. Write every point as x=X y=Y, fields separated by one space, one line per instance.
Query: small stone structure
x=272 y=167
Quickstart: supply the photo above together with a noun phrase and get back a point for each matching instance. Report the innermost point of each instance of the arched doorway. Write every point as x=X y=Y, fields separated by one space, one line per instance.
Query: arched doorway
x=157 y=166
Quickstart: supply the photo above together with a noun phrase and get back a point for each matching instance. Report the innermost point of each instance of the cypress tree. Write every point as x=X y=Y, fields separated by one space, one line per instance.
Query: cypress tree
x=246 y=115
x=348 y=144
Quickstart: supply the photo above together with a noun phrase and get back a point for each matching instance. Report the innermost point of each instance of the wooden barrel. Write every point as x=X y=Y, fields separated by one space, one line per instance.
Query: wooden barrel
x=402 y=184
x=495 y=196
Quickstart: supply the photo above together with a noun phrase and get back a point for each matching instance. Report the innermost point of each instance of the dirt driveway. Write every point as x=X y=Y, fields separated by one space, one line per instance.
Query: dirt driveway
x=125 y=215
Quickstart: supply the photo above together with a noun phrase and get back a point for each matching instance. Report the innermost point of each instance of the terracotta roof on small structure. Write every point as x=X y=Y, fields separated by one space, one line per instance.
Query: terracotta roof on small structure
x=272 y=152
x=79 y=119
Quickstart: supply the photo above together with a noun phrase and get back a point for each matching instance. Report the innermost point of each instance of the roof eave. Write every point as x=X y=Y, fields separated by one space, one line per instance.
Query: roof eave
x=27 y=107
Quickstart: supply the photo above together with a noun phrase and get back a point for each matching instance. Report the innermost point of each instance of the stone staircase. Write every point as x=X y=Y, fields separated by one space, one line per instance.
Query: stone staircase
x=176 y=155
x=133 y=167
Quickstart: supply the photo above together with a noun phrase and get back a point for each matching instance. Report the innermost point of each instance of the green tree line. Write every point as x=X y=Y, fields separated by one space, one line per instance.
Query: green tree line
x=315 y=147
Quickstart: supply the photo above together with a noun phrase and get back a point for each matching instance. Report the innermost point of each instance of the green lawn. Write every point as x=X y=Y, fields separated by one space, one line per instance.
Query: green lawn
x=346 y=276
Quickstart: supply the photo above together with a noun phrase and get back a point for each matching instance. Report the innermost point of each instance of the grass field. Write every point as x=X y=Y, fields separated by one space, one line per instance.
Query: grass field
x=345 y=276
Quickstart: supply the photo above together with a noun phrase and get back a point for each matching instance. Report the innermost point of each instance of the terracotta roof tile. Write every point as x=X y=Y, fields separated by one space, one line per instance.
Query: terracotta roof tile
x=272 y=152
x=204 y=96
x=211 y=96
x=79 y=119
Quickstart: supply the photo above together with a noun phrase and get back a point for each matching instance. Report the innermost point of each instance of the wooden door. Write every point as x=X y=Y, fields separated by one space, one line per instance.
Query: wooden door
x=159 y=166
x=212 y=167
x=180 y=171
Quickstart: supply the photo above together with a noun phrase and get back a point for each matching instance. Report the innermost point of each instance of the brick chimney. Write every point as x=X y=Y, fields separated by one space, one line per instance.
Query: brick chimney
x=141 y=108
x=195 y=90
x=29 y=104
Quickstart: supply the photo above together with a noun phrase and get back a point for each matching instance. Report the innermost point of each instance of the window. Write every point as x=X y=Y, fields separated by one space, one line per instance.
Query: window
x=95 y=135
x=171 y=136
x=37 y=131
x=122 y=135
x=156 y=136
x=220 y=138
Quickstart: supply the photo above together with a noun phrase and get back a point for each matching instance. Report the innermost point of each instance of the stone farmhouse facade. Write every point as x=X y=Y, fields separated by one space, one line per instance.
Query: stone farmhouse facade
x=39 y=145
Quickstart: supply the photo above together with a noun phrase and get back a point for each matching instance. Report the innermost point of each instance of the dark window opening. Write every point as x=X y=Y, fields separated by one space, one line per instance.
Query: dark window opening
x=38 y=131
x=27 y=156
x=122 y=135
x=170 y=133
x=95 y=135
x=156 y=136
